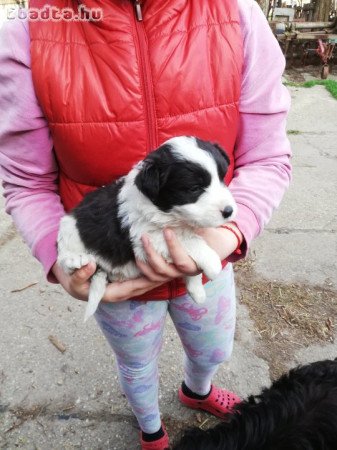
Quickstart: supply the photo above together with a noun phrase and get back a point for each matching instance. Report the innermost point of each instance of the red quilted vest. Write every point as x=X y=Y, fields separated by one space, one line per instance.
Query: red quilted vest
x=115 y=89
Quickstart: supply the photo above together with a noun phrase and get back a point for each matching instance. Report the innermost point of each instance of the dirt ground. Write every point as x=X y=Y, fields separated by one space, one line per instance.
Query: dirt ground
x=300 y=74
x=287 y=317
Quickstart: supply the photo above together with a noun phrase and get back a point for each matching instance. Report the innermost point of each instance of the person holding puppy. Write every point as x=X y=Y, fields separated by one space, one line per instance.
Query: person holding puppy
x=85 y=101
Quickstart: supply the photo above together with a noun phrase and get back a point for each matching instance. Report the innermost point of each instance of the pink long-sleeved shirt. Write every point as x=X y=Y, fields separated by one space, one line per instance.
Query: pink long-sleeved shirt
x=29 y=170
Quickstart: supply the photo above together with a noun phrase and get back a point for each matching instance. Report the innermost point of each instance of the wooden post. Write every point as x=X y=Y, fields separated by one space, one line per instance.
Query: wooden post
x=322 y=10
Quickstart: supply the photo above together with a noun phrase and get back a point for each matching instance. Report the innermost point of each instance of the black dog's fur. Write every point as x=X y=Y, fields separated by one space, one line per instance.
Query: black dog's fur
x=298 y=412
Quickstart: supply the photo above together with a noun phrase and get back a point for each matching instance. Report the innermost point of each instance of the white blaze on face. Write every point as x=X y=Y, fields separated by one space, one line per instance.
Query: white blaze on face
x=207 y=210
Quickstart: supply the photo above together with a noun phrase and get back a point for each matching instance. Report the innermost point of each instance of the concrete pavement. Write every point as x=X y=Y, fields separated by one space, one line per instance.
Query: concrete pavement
x=53 y=400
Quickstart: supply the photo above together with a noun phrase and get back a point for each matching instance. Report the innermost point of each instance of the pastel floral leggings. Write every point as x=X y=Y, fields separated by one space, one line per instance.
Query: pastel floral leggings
x=134 y=329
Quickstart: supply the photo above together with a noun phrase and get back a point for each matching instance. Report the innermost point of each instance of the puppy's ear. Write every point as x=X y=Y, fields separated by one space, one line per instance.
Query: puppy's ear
x=148 y=180
x=222 y=160
x=223 y=153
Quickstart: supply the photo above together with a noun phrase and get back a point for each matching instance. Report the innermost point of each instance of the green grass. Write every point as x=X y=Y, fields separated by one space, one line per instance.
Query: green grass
x=293 y=132
x=330 y=85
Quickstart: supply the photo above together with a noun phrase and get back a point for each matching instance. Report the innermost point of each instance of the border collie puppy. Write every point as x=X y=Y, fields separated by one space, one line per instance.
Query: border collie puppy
x=180 y=185
x=298 y=412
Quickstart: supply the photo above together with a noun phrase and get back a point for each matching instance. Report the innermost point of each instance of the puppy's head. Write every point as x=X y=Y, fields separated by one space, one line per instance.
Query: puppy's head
x=184 y=177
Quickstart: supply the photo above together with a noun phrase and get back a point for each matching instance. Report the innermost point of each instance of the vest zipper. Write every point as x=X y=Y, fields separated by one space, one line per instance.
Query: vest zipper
x=148 y=90
x=150 y=109
x=138 y=10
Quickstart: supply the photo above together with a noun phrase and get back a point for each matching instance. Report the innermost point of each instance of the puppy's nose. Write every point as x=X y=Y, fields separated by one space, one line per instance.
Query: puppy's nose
x=227 y=212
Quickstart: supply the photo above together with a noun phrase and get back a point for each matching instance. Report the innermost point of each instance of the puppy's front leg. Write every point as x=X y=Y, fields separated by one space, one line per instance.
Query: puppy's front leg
x=195 y=288
x=204 y=256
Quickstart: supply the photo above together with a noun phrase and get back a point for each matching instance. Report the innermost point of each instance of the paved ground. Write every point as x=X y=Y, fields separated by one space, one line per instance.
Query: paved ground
x=53 y=400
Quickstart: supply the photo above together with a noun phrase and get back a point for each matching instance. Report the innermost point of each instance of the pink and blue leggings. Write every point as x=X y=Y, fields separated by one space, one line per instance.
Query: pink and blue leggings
x=134 y=329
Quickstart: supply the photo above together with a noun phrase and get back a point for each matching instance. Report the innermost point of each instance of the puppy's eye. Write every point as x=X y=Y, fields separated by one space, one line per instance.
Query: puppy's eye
x=195 y=189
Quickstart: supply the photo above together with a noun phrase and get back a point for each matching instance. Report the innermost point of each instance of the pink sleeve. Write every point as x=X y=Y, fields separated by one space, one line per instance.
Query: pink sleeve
x=27 y=165
x=262 y=168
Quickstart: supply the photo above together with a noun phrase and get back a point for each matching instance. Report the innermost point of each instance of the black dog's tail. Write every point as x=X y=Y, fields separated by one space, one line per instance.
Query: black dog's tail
x=298 y=412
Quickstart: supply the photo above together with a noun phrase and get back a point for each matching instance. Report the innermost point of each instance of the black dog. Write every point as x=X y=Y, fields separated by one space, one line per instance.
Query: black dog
x=298 y=412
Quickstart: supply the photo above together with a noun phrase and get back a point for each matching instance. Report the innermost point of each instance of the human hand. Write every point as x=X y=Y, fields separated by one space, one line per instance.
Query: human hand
x=221 y=240
x=78 y=283
x=158 y=269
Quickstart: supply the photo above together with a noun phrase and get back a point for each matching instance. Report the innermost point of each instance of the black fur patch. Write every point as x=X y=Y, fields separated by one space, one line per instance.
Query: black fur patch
x=298 y=412
x=99 y=226
x=168 y=181
x=219 y=155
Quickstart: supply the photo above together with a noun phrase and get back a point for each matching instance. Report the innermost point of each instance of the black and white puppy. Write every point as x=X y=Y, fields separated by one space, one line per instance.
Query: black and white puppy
x=180 y=185
x=298 y=412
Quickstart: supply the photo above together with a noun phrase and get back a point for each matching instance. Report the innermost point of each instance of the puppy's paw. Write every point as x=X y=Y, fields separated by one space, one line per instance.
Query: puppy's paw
x=206 y=259
x=196 y=289
x=198 y=295
x=71 y=262
x=212 y=270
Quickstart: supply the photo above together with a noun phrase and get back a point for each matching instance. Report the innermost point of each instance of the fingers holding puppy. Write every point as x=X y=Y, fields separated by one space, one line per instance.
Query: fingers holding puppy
x=125 y=290
x=181 y=259
x=77 y=284
x=157 y=269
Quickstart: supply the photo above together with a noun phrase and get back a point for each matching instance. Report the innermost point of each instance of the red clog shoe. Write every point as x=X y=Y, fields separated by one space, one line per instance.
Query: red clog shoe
x=219 y=402
x=159 y=444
